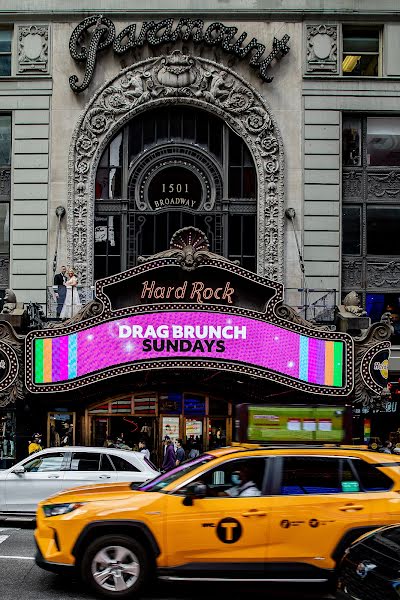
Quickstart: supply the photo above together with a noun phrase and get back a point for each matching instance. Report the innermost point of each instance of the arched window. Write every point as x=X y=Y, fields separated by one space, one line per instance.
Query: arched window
x=167 y=169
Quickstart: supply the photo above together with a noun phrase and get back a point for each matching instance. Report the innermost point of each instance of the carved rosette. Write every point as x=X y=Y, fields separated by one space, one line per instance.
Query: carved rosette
x=322 y=50
x=33 y=49
x=174 y=79
x=13 y=346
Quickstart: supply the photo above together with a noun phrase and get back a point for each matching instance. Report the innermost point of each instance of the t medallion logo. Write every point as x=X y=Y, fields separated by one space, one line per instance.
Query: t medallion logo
x=229 y=530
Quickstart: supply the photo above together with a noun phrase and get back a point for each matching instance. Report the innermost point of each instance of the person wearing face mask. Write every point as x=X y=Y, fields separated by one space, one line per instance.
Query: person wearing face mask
x=244 y=485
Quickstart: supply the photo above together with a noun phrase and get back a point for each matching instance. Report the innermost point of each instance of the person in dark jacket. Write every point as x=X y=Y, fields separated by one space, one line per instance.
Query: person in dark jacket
x=169 y=456
x=59 y=281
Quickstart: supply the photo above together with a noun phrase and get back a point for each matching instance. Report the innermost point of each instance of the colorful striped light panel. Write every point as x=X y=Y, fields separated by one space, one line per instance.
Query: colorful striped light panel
x=207 y=335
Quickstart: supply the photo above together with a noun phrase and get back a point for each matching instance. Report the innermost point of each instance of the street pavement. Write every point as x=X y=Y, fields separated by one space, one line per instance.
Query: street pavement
x=21 y=579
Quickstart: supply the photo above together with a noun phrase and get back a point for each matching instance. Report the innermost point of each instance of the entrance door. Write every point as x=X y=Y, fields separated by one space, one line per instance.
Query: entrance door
x=220 y=529
x=43 y=477
x=193 y=435
x=60 y=429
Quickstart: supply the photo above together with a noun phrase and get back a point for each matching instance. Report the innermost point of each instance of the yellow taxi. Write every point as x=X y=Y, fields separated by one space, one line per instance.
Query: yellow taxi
x=278 y=514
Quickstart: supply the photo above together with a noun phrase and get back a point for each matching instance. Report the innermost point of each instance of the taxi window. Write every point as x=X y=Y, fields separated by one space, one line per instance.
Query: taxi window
x=310 y=475
x=371 y=479
x=159 y=483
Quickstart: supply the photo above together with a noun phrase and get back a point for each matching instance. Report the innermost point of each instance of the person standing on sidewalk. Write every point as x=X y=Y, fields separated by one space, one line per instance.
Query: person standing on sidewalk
x=180 y=453
x=169 y=456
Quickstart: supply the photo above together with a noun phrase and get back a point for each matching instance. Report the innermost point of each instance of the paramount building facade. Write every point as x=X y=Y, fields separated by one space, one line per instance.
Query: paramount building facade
x=273 y=131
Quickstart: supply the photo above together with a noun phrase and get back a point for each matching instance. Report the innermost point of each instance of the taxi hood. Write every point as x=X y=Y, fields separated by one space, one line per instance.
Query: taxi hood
x=92 y=493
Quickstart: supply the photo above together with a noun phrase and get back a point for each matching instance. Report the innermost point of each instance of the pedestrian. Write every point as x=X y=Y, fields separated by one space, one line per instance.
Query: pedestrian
x=387 y=447
x=143 y=449
x=36 y=444
x=180 y=452
x=194 y=452
x=169 y=456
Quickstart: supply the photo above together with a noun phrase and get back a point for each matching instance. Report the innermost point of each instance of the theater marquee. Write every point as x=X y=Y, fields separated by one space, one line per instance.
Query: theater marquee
x=187 y=308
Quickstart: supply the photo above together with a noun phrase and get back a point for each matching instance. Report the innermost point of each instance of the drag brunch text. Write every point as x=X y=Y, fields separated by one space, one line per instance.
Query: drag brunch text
x=183 y=338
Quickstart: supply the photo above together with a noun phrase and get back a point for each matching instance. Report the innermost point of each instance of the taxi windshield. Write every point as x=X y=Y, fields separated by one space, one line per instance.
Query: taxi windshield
x=160 y=482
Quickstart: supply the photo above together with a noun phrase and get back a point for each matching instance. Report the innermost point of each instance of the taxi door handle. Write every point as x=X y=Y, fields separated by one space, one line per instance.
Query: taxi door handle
x=350 y=507
x=254 y=513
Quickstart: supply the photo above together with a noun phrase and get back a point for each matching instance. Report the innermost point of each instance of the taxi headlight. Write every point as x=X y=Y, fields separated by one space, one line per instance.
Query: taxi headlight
x=54 y=510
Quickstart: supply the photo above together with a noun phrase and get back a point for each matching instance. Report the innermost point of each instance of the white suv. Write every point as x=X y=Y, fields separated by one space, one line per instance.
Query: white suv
x=53 y=470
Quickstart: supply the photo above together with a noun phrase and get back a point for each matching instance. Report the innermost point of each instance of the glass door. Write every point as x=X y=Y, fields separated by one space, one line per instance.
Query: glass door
x=60 y=429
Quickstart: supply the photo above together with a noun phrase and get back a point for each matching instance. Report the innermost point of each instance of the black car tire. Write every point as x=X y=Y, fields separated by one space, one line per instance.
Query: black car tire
x=133 y=557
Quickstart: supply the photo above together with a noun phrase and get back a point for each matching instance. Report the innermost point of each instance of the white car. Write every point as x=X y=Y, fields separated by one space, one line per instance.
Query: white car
x=53 y=470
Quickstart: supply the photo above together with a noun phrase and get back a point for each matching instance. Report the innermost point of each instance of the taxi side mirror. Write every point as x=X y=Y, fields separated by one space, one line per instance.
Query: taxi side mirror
x=194 y=491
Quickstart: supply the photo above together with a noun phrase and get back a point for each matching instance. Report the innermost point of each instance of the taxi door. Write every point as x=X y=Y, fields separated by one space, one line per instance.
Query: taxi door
x=310 y=512
x=218 y=530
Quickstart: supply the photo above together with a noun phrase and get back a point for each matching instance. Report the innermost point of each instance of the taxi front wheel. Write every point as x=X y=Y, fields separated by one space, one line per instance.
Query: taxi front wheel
x=115 y=566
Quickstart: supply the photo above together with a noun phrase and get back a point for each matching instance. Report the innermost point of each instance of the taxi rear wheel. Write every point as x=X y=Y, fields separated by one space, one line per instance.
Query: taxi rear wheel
x=115 y=566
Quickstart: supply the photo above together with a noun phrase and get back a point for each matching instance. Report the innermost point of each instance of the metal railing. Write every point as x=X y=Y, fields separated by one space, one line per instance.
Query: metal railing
x=313 y=304
x=65 y=307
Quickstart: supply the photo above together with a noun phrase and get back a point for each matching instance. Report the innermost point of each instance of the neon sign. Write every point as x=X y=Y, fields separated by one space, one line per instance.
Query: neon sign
x=200 y=338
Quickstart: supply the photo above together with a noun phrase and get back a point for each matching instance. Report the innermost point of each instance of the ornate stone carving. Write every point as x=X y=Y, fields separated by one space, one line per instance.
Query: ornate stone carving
x=33 y=49
x=5 y=183
x=352 y=184
x=382 y=274
x=4 y=271
x=90 y=310
x=322 y=51
x=385 y=186
x=378 y=332
x=190 y=246
x=177 y=79
x=10 y=302
x=16 y=390
x=352 y=274
x=289 y=314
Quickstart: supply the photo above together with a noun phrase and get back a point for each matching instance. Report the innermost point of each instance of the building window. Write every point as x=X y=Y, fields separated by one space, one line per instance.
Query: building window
x=170 y=168
x=5 y=52
x=361 y=51
x=371 y=213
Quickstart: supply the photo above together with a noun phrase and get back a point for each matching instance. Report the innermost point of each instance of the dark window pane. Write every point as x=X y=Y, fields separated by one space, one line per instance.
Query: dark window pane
x=202 y=129
x=235 y=182
x=351 y=141
x=235 y=150
x=383 y=226
x=148 y=130
x=360 y=40
x=351 y=227
x=371 y=479
x=85 y=461
x=5 y=140
x=114 y=234
x=122 y=465
x=303 y=475
x=113 y=265
x=115 y=182
x=162 y=125
x=100 y=269
x=249 y=234
x=188 y=125
x=375 y=306
x=116 y=151
x=249 y=182
x=383 y=141
x=101 y=185
x=4 y=228
x=100 y=234
x=175 y=126
x=5 y=65
x=135 y=138
x=235 y=235
x=360 y=65
x=5 y=40
x=215 y=132
x=249 y=263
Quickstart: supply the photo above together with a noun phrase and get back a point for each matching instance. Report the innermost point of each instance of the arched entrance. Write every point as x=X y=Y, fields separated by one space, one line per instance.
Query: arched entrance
x=177 y=80
x=169 y=168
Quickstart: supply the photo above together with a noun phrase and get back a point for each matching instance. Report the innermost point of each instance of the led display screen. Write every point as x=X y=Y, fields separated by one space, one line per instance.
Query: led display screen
x=193 y=336
x=296 y=424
